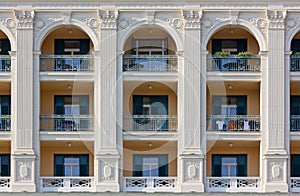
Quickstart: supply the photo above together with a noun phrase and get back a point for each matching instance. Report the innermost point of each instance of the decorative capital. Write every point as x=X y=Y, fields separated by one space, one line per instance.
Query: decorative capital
x=24 y=19
x=234 y=16
x=192 y=19
x=108 y=18
x=276 y=18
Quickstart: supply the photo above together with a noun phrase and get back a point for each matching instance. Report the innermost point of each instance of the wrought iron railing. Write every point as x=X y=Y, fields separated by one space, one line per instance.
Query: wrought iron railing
x=242 y=123
x=66 y=184
x=4 y=184
x=233 y=63
x=295 y=123
x=150 y=63
x=56 y=122
x=66 y=63
x=149 y=184
x=295 y=184
x=5 y=123
x=295 y=63
x=233 y=184
x=150 y=123
x=5 y=63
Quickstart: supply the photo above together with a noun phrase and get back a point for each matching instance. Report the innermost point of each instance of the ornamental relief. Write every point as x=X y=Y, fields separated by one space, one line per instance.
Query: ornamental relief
x=192 y=171
x=24 y=171
x=276 y=171
x=10 y=23
x=107 y=171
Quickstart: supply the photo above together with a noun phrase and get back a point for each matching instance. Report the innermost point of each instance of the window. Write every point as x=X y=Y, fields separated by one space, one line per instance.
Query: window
x=71 y=165
x=150 y=105
x=150 y=165
x=295 y=45
x=229 y=165
x=150 y=46
x=232 y=46
x=229 y=105
x=295 y=105
x=295 y=165
x=4 y=165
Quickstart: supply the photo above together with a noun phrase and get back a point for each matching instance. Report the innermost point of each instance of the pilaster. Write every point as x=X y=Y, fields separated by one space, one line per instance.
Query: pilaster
x=23 y=154
x=275 y=147
x=106 y=149
x=190 y=154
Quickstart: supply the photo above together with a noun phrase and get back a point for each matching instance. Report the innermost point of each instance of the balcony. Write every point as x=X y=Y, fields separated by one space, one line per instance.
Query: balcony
x=66 y=63
x=295 y=63
x=5 y=63
x=149 y=184
x=161 y=123
x=233 y=63
x=295 y=123
x=295 y=184
x=233 y=184
x=5 y=123
x=4 y=184
x=150 y=63
x=66 y=184
x=66 y=123
x=236 y=123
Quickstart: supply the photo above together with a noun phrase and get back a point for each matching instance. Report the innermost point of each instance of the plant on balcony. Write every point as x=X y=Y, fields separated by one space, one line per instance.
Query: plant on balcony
x=297 y=54
x=222 y=54
x=244 y=54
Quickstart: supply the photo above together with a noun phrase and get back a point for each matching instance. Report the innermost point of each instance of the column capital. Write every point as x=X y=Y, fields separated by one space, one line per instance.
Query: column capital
x=276 y=18
x=108 y=18
x=192 y=19
x=24 y=19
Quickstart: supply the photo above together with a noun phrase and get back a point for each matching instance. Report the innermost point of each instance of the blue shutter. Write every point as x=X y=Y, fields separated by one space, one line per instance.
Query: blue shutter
x=242 y=165
x=84 y=165
x=59 y=102
x=241 y=45
x=59 y=165
x=5 y=165
x=137 y=106
x=295 y=165
x=137 y=166
x=84 y=46
x=216 y=45
x=5 y=105
x=216 y=165
x=241 y=105
x=216 y=105
x=163 y=165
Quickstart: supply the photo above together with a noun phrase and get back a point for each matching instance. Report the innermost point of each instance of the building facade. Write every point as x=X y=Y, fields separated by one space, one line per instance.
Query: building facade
x=150 y=96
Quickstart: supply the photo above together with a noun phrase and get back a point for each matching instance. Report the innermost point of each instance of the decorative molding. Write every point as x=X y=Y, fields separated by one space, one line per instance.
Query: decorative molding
x=66 y=15
x=108 y=18
x=291 y=23
x=276 y=18
x=192 y=19
x=24 y=170
x=207 y=22
x=191 y=170
x=276 y=171
x=107 y=170
x=234 y=16
x=93 y=23
x=24 y=19
x=150 y=15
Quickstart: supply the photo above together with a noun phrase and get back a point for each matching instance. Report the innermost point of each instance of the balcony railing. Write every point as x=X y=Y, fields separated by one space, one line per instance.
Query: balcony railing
x=295 y=63
x=233 y=63
x=5 y=63
x=150 y=123
x=295 y=123
x=149 y=184
x=242 y=123
x=66 y=184
x=55 y=122
x=233 y=184
x=4 y=184
x=78 y=63
x=295 y=184
x=150 y=63
x=5 y=123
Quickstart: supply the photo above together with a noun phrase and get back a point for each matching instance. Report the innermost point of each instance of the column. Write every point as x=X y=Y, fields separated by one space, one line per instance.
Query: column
x=274 y=113
x=190 y=154
x=106 y=148
x=23 y=154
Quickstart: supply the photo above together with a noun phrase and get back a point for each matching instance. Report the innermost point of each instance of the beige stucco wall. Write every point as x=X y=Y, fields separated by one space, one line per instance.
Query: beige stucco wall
x=253 y=157
x=141 y=147
x=47 y=156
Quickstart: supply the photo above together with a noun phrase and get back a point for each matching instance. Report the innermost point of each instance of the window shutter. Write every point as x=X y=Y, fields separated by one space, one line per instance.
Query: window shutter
x=216 y=45
x=5 y=47
x=5 y=105
x=216 y=165
x=59 y=165
x=242 y=45
x=84 y=165
x=59 y=101
x=137 y=166
x=59 y=46
x=241 y=105
x=241 y=165
x=5 y=165
x=216 y=105
x=84 y=104
x=295 y=45
x=163 y=165
x=84 y=46
x=137 y=105
x=295 y=165
x=295 y=105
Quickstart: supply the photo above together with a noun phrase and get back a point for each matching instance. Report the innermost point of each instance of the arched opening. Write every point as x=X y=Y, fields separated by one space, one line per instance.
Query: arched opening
x=5 y=47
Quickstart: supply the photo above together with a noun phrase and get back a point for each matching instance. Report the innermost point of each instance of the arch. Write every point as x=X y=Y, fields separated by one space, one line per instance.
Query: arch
x=131 y=29
x=290 y=37
x=10 y=36
x=41 y=37
x=249 y=27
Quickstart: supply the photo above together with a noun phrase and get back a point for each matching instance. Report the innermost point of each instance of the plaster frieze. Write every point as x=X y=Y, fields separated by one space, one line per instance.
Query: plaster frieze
x=191 y=170
x=24 y=19
x=276 y=171
x=107 y=170
x=108 y=19
x=10 y=23
x=192 y=19
x=24 y=170
x=276 y=18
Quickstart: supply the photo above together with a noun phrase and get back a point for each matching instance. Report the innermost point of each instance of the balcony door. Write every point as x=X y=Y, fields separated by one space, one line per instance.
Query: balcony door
x=229 y=165
x=4 y=165
x=150 y=165
x=71 y=165
x=5 y=109
x=4 y=49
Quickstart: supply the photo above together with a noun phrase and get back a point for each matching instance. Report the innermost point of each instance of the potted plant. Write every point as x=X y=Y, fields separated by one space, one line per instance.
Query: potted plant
x=244 y=54
x=222 y=54
x=297 y=54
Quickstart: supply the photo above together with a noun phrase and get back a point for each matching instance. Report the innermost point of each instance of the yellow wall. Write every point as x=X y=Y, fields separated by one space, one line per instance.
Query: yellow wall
x=47 y=157
x=47 y=99
x=167 y=148
x=61 y=33
x=238 y=34
x=5 y=147
x=2 y=35
x=252 y=157
x=253 y=100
